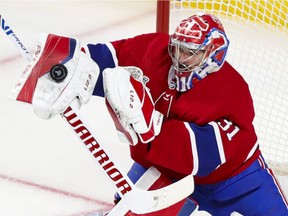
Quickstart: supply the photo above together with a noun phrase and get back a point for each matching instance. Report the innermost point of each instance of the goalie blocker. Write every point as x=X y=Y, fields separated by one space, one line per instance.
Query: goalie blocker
x=130 y=104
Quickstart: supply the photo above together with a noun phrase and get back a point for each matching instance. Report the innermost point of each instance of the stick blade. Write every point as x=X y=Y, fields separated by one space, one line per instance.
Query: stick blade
x=155 y=200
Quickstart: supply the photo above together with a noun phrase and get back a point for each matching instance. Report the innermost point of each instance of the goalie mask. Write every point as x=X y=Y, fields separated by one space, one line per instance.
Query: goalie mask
x=197 y=47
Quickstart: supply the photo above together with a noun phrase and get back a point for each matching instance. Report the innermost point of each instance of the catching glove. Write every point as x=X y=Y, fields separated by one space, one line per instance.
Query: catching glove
x=58 y=74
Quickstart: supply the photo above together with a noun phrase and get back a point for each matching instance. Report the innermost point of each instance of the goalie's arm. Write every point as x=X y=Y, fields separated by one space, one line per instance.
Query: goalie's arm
x=184 y=146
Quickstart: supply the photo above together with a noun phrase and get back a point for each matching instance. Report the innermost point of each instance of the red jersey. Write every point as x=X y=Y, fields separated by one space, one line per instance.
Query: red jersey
x=208 y=130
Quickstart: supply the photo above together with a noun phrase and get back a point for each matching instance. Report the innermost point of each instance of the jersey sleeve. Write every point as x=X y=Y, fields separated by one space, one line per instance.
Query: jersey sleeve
x=183 y=148
x=105 y=56
x=188 y=148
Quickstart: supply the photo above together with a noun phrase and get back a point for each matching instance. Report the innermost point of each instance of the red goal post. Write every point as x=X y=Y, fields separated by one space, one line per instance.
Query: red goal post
x=163 y=14
x=258 y=33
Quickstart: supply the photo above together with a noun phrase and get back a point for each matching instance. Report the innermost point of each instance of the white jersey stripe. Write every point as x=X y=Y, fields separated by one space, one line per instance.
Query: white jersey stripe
x=219 y=142
x=194 y=149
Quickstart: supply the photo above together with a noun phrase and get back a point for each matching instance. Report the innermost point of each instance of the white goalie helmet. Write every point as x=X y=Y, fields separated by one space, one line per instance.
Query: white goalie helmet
x=198 y=47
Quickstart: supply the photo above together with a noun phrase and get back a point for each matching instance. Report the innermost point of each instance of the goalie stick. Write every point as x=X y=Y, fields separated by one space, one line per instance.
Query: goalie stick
x=137 y=200
x=142 y=201
x=14 y=39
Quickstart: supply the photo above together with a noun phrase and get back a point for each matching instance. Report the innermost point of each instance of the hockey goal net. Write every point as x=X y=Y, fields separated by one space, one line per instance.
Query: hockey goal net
x=258 y=34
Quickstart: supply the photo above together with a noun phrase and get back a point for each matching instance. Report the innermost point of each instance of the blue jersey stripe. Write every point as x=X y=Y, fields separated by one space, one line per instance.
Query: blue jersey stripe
x=207 y=148
x=102 y=55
